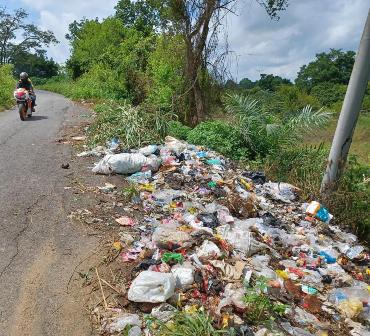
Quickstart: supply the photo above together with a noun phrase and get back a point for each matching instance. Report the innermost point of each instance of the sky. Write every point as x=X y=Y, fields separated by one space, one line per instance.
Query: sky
x=257 y=44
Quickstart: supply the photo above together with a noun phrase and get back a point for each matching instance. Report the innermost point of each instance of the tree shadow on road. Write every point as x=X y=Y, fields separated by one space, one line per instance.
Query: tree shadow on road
x=36 y=118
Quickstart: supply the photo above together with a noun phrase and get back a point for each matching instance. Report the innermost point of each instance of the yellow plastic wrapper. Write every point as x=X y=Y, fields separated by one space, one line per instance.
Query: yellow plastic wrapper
x=225 y=321
x=245 y=184
x=351 y=308
x=117 y=245
x=147 y=187
x=282 y=274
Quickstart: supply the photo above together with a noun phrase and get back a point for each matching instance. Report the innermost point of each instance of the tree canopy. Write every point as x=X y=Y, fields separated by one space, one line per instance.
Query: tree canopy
x=334 y=66
x=14 y=25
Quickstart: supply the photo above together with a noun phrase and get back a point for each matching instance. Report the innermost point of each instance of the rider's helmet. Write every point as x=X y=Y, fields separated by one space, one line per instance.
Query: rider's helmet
x=23 y=76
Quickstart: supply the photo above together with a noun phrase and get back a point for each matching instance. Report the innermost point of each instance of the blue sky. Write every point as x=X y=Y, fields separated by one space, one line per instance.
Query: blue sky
x=258 y=44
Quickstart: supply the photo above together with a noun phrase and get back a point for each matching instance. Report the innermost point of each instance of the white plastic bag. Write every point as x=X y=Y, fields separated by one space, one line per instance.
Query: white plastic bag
x=208 y=250
x=184 y=275
x=126 y=163
x=148 y=150
x=284 y=192
x=176 y=146
x=120 y=322
x=152 y=287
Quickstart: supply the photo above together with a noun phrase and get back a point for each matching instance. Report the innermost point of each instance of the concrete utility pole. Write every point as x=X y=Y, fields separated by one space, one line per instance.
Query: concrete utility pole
x=349 y=114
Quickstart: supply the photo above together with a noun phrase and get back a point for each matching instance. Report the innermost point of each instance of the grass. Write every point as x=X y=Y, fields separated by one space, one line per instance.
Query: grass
x=197 y=323
x=361 y=139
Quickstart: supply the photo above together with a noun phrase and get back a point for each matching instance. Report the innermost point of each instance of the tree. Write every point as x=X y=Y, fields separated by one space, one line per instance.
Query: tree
x=333 y=67
x=246 y=83
x=140 y=14
x=199 y=22
x=36 y=65
x=271 y=82
x=17 y=36
x=90 y=41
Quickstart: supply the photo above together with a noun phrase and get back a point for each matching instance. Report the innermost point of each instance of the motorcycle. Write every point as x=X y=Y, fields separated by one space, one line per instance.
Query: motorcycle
x=24 y=103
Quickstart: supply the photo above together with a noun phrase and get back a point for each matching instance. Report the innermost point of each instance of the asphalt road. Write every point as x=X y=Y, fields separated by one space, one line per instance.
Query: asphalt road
x=39 y=245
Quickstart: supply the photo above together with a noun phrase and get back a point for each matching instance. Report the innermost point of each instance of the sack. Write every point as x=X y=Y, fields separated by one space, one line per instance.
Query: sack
x=126 y=163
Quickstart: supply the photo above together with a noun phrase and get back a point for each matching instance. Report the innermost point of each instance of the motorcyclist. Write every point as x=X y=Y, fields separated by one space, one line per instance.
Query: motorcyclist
x=25 y=83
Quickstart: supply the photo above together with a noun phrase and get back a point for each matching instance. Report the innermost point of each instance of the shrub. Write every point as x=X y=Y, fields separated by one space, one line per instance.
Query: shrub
x=264 y=131
x=132 y=125
x=178 y=130
x=221 y=137
x=7 y=86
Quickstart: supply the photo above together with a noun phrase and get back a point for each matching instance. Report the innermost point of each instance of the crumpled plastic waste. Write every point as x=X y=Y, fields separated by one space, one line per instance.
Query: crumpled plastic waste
x=120 y=322
x=315 y=209
x=284 y=192
x=152 y=287
x=206 y=229
x=126 y=163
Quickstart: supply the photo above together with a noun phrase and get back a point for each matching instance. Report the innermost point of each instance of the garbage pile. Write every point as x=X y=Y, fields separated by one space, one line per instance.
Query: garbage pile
x=209 y=231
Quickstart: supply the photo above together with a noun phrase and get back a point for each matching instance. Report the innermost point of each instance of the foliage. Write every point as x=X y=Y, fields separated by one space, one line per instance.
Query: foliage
x=99 y=82
x=91 y=43
x=260 y=308
x=165 y=70
x=292 y=99
x=36 y=65
x=271 y=82
x=7 y=86
x=265 y=132
x=221 y=137
x=334 y=67
x=186 y=324
x=17 y=36
x=328 y=93
x=178 y=130
x=131 y=125
x=140 y=15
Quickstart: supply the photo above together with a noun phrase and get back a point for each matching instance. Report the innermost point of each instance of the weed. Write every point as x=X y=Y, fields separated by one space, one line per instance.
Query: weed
x=260 y=308
x=130 y=192
x=186 y=324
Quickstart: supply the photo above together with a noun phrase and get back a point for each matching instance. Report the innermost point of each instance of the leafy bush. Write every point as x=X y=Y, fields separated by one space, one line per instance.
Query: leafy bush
x=7 y=86
x=178 y=130
x=99 y=82
x=221 y=137
x=329 y=93
x=265 y=132
x=133 y=126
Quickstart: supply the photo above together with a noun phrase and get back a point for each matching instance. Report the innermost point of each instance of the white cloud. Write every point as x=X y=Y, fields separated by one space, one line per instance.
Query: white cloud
x=305 y=28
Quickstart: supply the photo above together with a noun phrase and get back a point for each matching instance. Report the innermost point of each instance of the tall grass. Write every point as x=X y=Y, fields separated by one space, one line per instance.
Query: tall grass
x=7 y=84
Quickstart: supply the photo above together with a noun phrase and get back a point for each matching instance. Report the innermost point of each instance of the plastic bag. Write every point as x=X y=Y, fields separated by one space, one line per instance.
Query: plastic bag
x=148 y=150
x=152 y=287
x=184 y=275
x=241 y=239
x=174 y=145
x=164 y=312
x=284 y=192
x=126 y=163
x=120 y=322
x=208 y=250
x=170 y=238
x=229 y=272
